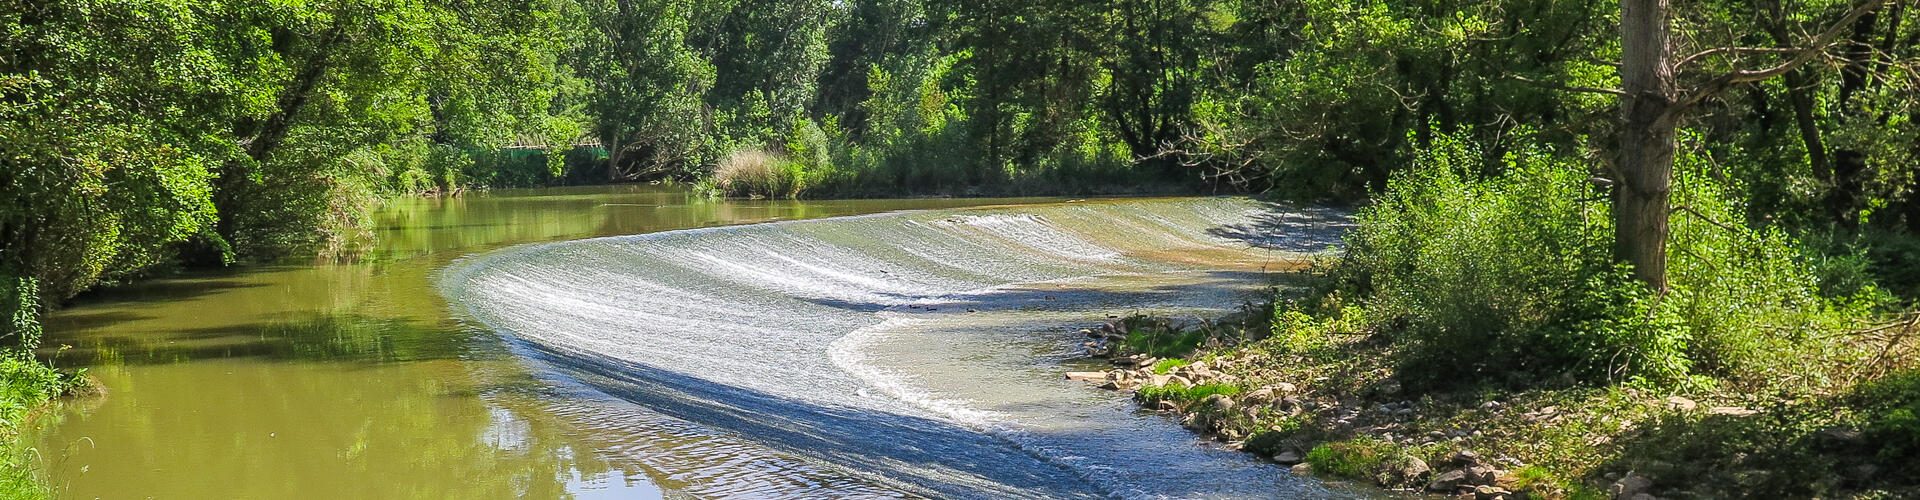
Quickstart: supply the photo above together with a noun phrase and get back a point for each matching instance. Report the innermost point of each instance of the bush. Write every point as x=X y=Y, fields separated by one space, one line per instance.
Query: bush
x=1511 y=278
x=755 y=173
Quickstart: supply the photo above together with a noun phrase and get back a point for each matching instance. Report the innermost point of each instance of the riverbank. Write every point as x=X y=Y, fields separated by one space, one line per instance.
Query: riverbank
x=1345 y=411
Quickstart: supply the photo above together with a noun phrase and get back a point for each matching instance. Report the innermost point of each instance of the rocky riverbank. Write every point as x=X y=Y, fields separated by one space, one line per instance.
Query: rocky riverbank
x=1348 y=417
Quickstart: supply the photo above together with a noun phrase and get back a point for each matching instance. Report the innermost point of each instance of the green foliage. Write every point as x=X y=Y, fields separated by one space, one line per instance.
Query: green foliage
x=1183 y=395
x=1510 y=279
x=1353 y=458
x=1169 y=364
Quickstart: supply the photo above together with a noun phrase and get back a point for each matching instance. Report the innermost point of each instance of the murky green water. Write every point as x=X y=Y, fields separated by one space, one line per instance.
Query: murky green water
x=353 y=381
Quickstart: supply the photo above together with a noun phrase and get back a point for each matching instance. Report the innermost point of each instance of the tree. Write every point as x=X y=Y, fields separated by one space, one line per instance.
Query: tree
x=1652 y=105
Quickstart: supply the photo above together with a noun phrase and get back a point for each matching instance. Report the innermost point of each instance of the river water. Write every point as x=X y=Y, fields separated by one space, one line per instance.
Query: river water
x=647 y=352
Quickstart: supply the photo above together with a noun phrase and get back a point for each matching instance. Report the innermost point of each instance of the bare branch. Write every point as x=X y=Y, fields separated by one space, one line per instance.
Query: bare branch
x=1734 y=50
x=1556 y=86
x=1817 y=46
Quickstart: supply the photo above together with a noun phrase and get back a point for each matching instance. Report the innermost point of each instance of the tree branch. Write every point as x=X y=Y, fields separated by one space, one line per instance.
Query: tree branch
x=1818 y=45
x=1740 y=50
x=1556 y=86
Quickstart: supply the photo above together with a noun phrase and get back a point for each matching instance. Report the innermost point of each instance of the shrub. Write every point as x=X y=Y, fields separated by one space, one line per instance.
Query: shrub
x=759 y=174
x=1513 y=275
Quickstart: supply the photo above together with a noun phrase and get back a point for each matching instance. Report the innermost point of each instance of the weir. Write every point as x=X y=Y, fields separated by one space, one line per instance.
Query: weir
x=921 y=350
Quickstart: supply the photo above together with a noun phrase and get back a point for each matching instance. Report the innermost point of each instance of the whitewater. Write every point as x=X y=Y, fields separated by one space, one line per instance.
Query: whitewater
x=909 y=353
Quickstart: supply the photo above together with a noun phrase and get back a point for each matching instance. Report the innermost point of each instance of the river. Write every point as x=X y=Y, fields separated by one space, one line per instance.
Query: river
x=635 y=355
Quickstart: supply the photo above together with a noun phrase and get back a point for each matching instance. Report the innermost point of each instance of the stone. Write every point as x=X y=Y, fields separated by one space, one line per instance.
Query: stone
x=1158 y=380
x=1183 y=381
x=1260 y=395
x=1448 y=481
x=1408 y=470
x=1087 y=376
x=1091 y=334
x=1303 y=469
x=1464 y=458
x=1288 y=457
x=1219 y=403
x=1681 y=404
x=1733 y=411
x=1482 y=475
x=1484 y=492
x=1630 y=486
x=1283 y=387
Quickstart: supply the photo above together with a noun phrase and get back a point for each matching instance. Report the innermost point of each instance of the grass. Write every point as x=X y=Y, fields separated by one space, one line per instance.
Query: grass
x=1184 y=395
x=1168 y=364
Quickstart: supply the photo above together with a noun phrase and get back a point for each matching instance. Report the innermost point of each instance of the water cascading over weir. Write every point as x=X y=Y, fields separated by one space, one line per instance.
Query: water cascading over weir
x=921 y=350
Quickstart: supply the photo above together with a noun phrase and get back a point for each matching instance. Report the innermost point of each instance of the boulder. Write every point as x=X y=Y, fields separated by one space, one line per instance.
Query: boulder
x=1484 y=492
x=1482 y=475
x=1405 y=470
x=1288 y=457
x=1630 y=486
x=1464 y=458
x=1219 y=403
x=1448 y=481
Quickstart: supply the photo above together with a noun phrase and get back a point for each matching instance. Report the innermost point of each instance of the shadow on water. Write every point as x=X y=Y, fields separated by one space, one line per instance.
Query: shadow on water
x=1290 y=229
x=330 y=337
x=933 y=456
x=183 y=287
x=936 y=457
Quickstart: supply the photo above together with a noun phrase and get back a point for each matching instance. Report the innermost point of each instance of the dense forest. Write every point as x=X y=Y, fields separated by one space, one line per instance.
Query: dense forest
x=1534 y=172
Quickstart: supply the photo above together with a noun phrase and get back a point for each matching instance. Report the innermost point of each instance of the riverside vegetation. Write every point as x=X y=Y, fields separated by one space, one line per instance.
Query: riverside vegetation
x=1594 y=205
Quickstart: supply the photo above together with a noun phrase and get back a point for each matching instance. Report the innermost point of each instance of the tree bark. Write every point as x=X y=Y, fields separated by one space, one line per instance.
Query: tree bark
x=1641 y=207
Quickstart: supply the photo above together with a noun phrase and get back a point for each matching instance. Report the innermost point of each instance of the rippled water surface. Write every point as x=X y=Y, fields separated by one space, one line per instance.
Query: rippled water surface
x=887 y=355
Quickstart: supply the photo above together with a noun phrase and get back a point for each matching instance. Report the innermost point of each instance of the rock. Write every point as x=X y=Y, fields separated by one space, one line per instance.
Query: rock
x=1111 y=385
x=1303 y=469
x=1491 y=405
x=1733 y=411
x=1219 y=403
x=1464 y=459
x=1284 y=387
x=1183 y=381
x=1681 y=404
x=1482 y=475
x=1406 y=470
x=1484 y=492
x=1091 y=334
x=1165 y=405
x=1448 y=481
x=1287 y=458
x=1087 y=376
x=1260 y=395
x=1630 y=486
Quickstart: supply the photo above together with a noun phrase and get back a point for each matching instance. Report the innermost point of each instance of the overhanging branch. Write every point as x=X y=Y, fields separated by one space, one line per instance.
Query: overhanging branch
x=1817 y=46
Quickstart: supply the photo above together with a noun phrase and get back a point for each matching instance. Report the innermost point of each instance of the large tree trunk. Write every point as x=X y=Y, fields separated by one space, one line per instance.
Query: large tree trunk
x=1646 y=141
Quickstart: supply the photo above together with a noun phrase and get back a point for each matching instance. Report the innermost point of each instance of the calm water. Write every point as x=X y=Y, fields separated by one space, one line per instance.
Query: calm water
x=354 y=381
